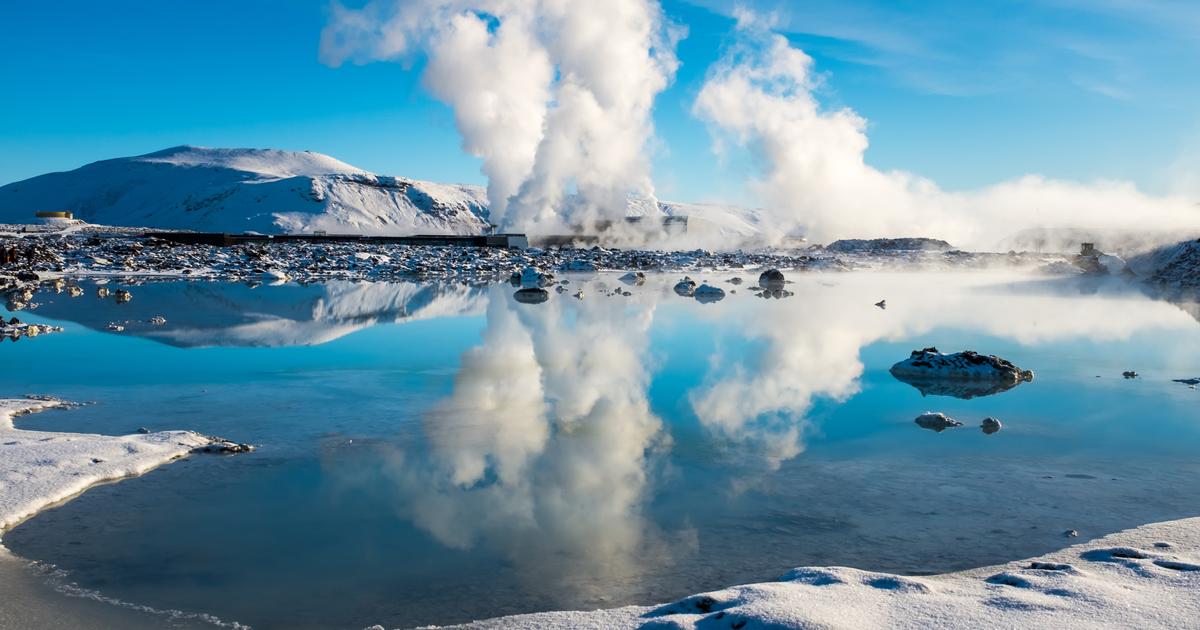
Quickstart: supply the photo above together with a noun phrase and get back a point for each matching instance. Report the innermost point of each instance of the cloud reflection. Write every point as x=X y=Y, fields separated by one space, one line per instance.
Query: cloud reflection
x=542 y=450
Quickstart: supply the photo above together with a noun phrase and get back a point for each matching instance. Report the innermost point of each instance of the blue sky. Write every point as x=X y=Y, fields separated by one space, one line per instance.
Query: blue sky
x=965 y=93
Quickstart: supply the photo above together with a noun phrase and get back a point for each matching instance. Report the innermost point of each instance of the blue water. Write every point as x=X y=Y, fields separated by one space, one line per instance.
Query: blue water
x=441 y=454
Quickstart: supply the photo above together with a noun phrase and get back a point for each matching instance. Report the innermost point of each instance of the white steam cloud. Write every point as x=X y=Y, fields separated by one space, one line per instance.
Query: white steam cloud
x=555 y=96
x=761 y=96
x=542 y=451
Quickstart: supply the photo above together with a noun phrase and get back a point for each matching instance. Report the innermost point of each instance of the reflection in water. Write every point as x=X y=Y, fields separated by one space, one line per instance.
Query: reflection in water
x=965 y=389
x=570 y=462
x=541 y=451
x=810 y=347
x=212 y=314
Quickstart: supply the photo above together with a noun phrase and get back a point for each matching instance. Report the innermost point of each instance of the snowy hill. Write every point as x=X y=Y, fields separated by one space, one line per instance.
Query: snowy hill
x=235 y=190
x=271 y=191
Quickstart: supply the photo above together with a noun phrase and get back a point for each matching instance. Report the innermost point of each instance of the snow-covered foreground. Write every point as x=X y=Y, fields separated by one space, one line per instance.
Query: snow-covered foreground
x=40 y=468
x=1148 y=577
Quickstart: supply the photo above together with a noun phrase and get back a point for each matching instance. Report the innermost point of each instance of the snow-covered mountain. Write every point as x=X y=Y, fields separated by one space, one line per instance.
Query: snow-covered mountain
x=271 y=191
x=235 y=190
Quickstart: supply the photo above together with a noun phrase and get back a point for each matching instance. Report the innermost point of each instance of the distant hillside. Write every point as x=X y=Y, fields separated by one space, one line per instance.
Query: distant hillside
x=271 y=191
x=236 y=190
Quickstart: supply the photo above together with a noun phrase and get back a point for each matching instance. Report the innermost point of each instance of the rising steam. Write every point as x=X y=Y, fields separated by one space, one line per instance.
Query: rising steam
x=815 y=179
x=555 y=96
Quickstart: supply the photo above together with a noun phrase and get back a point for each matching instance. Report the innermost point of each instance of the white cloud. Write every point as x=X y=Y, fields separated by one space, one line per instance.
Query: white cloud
x=816 y=179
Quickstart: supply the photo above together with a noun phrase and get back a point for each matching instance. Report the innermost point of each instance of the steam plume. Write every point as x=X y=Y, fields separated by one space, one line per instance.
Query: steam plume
x=554 y=96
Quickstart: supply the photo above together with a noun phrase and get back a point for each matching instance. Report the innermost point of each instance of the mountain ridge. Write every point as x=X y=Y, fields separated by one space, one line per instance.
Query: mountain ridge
x=277 y=191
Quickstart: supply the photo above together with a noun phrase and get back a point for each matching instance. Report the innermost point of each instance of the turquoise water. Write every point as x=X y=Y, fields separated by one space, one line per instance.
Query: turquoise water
x=441 y=454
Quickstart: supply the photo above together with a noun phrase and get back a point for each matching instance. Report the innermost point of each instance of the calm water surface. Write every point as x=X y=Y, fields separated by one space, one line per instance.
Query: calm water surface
x=441 y=454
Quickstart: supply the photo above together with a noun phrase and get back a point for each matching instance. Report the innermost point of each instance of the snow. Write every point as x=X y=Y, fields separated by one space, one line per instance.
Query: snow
x=238 y=190
x=41 y=468
x=271 y=191
x=1173 y=266
x=1148 y=577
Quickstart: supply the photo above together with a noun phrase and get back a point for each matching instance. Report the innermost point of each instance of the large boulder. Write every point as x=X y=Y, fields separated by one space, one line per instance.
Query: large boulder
x=706 y=293
x=771 y=279
x=929 y=364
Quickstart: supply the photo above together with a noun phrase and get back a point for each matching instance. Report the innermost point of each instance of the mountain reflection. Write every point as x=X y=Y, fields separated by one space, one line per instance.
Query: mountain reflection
x=203 y=314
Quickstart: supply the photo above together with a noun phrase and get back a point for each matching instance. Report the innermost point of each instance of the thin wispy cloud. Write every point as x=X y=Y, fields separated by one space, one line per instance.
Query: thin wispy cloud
x=973 y=48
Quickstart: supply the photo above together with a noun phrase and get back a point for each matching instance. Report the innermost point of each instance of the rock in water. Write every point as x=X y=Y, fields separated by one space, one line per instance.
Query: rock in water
x=531 y=278
x=686 y=287
x=531 y=296
x=706 y=294
x=635 y=278
x=936 y=421
x=771 y=279
x=990 y=425
x=967 y=365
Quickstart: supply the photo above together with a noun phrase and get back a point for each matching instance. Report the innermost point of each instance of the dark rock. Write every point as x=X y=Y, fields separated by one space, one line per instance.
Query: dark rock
x=936 y=421
x=771 y=279
x=531 y=295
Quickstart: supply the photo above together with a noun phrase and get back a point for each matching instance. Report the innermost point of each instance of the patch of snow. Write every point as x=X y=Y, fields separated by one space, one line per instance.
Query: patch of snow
x=41 y=468
x=1148 y=577
x=1174 y=266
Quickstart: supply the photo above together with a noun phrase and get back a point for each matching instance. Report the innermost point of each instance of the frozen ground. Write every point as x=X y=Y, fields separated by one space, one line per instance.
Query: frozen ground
x=40 y=468
x=95 y=253
x=1147 y=577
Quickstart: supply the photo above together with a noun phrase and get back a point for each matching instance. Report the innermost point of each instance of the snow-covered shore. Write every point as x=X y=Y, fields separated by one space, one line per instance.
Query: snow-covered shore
x=1148 y=577
x=41 y=468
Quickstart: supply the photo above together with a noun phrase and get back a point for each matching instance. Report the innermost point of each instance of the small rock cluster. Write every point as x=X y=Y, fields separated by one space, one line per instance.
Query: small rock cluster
x=937 y=422
x=14 y=329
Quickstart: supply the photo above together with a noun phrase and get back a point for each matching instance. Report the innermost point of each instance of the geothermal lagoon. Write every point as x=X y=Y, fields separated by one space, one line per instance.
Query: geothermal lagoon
x=442 y=453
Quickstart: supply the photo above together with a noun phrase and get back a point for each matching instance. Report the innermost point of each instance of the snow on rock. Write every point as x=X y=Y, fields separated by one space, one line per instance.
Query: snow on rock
x=238 y=190
x=1111 y=263
x=531 y=278
x=685 y=287
x=936 y=421
x=967 y=365
x=1148 y=577
x=1174 y=266
x=634 y=278
x=41 y=468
